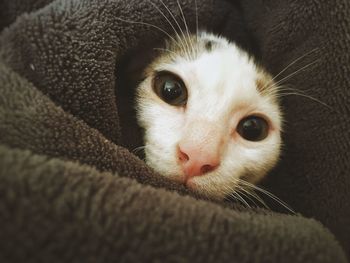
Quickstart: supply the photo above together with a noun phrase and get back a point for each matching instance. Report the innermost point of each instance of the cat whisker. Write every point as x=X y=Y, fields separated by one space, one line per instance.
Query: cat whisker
x=284 y=90
x=138 y=149
x=289 y=65
x=232 y=195
x=235 y=192
x=294 y=91
x=240 y=199
x=296 y=72
x=274 y=86
x=251 y=195
x=223 y=190
x=186 y=50
x=245 y=194
x=306 y=96
x=288 y=87
x=169 y=22
x=150 y=25
x=255 y=196
x=186 y=27
x=268 y=194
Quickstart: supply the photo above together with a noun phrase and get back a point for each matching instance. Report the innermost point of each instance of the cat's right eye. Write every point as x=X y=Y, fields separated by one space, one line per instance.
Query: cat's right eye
x=170 y=88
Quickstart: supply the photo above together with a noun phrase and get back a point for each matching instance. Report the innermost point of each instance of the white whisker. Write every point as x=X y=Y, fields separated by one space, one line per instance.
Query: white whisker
x=138 y=149
x=245 y=194
x=169 y=22
x=284 y=90
x=267 y=193
x=305 y=96
x=291 y=91
x=254 y=195
x=295 y=72
x=190 y=43
x=289 y=65
x=148 y=24
x=241 y=199
x=178 y=25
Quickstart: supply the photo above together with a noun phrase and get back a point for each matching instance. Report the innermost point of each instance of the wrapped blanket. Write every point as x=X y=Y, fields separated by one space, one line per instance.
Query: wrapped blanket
x=70 y=189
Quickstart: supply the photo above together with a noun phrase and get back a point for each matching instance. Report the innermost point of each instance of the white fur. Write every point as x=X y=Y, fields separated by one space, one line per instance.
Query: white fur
x=221 y=90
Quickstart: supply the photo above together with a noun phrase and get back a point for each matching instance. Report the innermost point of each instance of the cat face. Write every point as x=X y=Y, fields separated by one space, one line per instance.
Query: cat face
x=210 y=114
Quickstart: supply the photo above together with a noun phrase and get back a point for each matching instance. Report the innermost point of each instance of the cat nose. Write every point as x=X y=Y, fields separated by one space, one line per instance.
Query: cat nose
x=196 y=161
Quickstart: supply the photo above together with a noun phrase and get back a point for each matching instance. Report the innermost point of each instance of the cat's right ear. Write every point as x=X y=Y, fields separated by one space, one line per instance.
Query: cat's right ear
x=133 y=65
x=128 y=75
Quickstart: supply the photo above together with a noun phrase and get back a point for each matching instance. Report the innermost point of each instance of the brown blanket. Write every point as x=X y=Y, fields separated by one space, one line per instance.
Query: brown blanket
x=67 y=181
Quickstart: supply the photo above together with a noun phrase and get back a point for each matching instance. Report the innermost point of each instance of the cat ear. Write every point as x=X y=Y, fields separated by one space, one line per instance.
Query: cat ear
x=133 y=64
x=128 y=75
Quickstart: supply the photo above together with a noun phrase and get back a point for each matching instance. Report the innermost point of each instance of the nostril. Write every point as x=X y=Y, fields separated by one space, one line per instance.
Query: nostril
x=183 y=157
x=207 y=168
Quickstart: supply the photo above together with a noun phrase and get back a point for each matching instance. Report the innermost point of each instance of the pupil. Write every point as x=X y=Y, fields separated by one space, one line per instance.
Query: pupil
x=171 y=91
x=252 y=129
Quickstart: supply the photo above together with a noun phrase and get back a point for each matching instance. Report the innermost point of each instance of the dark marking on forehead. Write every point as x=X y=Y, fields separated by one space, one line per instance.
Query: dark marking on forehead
x=209 y=45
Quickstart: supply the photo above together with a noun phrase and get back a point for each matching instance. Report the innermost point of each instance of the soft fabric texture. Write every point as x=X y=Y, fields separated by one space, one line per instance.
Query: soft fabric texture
x=70 y=189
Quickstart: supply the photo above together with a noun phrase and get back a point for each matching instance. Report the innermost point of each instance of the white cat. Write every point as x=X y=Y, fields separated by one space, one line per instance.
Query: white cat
x=211 y=115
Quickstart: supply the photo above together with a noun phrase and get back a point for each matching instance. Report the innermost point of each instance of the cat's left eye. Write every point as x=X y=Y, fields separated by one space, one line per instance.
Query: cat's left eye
x=253 y=128
x=170 y=88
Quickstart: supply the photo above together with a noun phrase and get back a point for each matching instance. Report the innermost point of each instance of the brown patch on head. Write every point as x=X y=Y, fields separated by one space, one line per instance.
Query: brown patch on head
x=265 y=84
x=186 y=47
x=261 y=84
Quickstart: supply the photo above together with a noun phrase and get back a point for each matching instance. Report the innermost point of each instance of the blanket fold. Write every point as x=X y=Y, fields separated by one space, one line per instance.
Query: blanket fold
x=58 y=211
x=71 y=191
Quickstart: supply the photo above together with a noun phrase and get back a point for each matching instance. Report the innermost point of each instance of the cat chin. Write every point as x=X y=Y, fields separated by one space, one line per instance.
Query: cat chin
x=206 y=191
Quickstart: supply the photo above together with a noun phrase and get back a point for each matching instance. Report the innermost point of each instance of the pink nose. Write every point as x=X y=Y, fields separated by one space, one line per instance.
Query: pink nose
x=196 y=162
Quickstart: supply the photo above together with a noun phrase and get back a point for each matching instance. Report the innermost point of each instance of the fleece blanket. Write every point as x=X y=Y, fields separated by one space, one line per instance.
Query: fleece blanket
x=71 y=189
